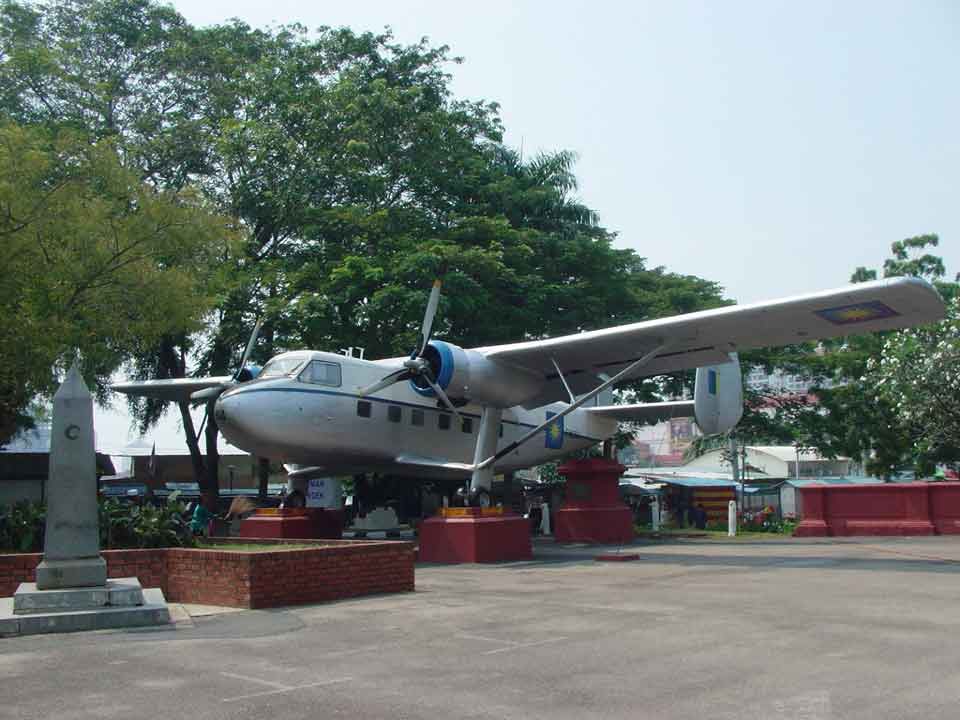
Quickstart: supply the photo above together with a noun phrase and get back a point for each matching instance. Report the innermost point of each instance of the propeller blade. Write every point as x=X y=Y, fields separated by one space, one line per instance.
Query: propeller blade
x=249 y=348
x=428 y=317
x=442 y=395
x=210 y=393
x=394 y=377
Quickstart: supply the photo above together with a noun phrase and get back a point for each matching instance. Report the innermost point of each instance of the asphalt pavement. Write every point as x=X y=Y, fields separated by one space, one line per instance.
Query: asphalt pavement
x=714 y=630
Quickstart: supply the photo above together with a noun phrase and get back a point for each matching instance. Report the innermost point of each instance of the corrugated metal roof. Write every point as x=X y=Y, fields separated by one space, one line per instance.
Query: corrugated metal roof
x=788 y=453
x=851 y=480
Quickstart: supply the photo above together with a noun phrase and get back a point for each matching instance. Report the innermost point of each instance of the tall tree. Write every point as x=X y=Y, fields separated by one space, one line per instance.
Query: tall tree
x=355 y=175
x=848 y=417
x=95 y=264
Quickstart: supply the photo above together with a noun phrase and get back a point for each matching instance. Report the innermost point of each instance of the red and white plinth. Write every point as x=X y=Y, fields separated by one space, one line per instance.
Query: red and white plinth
x=475 y=535
x=592 y=510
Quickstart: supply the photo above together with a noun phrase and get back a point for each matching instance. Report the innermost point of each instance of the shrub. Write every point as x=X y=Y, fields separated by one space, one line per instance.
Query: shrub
x=766 y=520
x=22 y=525
x=122 y=525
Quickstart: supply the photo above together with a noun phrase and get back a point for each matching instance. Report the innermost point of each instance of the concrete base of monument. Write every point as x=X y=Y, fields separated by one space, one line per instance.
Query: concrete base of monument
x=475 y=535
x=75 y=572
x=120 y=603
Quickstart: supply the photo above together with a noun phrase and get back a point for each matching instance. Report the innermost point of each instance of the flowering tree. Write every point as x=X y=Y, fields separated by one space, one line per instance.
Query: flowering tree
x=918 y=373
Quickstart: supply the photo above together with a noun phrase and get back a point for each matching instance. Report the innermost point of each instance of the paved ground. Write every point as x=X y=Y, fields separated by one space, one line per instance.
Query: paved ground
x=790 y=630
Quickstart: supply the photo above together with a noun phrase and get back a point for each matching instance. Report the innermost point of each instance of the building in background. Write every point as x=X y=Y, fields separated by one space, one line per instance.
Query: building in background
x=773 y=462
x=25 y=463
x=660 y=445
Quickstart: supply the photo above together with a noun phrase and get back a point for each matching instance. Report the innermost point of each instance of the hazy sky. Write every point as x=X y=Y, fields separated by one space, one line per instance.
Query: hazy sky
x=770 y=146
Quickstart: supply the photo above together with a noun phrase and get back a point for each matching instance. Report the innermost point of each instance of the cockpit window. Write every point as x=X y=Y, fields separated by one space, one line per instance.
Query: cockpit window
x=319 y=372
x=280 y=366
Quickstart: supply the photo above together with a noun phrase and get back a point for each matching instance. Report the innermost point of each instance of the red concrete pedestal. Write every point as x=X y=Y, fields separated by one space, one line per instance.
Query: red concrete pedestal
x=327 y=523
x=278 y=523
x=297 y=523
x=474 y=535
x=592 y=510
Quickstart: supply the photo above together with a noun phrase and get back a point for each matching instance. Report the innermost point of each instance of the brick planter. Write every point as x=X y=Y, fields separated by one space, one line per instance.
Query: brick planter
x=332 y=570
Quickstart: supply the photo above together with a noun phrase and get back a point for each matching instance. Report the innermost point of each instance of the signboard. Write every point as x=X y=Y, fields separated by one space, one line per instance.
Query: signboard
x=323 y=493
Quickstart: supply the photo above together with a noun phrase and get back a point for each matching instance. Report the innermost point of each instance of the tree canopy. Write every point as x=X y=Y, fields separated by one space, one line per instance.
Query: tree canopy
x=353 y=176
x=860 y=384
x=95 y=264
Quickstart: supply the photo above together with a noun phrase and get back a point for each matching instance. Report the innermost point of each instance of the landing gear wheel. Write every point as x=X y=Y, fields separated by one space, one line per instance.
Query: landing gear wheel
x=480 y=499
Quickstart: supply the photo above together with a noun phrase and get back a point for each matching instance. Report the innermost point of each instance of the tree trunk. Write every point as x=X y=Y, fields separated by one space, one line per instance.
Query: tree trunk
x=263 y=473
x=210 y=487
x=196 y=459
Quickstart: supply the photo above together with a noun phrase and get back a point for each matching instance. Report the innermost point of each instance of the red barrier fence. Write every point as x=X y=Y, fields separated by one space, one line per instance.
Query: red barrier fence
x=882 y=509
x=332 y=570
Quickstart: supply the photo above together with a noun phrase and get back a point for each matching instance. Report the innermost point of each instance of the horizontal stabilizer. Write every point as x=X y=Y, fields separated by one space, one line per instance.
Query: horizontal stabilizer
x=645 y=412
x=173 y=390
x=304 y=472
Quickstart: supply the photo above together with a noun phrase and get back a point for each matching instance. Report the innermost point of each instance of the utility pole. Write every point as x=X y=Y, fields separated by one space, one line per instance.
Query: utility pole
x=735 y=466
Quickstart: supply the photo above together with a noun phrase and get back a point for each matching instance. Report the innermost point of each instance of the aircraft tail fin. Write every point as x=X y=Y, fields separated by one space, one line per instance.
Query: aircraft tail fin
x=718 y=396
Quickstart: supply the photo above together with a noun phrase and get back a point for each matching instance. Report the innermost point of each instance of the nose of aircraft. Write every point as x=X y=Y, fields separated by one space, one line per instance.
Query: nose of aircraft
x=232 y=413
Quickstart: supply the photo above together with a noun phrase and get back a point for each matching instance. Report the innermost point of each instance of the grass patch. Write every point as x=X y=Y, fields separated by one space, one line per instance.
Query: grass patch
x=255 y=547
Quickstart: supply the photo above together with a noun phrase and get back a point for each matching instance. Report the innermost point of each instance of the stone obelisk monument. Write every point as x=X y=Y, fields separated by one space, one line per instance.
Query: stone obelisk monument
x=72 y=591
x=71 y=546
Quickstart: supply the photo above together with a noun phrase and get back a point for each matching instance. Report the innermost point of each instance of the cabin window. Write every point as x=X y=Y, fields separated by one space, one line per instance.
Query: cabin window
x=363 y=408
x=467 y=426
x=416 y=417
x=319 y=372
x=394 y=413
x=501 y=429
x=443 y=421
x=281 y=366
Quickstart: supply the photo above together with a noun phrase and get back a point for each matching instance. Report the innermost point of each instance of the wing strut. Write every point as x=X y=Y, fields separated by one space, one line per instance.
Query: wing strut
x=563 y=380
x=572 y=406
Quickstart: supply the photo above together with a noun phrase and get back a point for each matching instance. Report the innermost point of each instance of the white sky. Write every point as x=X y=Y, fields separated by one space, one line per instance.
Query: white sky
x=770 y=146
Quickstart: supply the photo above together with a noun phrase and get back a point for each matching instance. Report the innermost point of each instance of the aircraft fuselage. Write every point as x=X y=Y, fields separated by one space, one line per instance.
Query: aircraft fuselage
x=313 y=414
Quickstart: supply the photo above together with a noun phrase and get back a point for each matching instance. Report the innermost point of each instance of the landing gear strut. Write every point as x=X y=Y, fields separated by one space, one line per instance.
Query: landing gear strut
x=481 y=480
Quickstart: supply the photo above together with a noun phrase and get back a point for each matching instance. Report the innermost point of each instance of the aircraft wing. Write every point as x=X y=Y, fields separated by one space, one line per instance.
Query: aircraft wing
x=706 y=337
x=435 y=465
x=175 y=389
x=644 y=412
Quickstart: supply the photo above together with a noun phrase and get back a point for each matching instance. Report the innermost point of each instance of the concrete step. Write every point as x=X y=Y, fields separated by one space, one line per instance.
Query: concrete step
x=118 y=592
x=154 y=611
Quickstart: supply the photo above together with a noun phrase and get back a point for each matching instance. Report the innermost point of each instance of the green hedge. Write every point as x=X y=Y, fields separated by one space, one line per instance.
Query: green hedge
x=122 y=525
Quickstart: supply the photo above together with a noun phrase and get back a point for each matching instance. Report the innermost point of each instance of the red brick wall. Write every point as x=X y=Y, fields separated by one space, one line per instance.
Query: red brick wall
x=884 y=509
x=305 y=576
x=331 y=571
x=15 y=569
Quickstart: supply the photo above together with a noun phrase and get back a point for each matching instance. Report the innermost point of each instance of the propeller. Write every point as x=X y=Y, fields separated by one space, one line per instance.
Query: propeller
x=212 y=393
x=417 y=366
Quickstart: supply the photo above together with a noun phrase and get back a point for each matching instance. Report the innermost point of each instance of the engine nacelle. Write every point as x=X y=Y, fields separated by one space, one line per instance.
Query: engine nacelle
x=718 y=396
x=469 y=376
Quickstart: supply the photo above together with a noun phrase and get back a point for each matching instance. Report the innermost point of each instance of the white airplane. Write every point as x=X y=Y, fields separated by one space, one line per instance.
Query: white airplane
x=449 y=411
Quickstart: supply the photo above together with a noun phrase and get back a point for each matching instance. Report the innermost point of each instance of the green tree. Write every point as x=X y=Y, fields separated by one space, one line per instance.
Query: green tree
x=355 y=176
x=848 y=417
x=917 y=375
x=95 y=264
